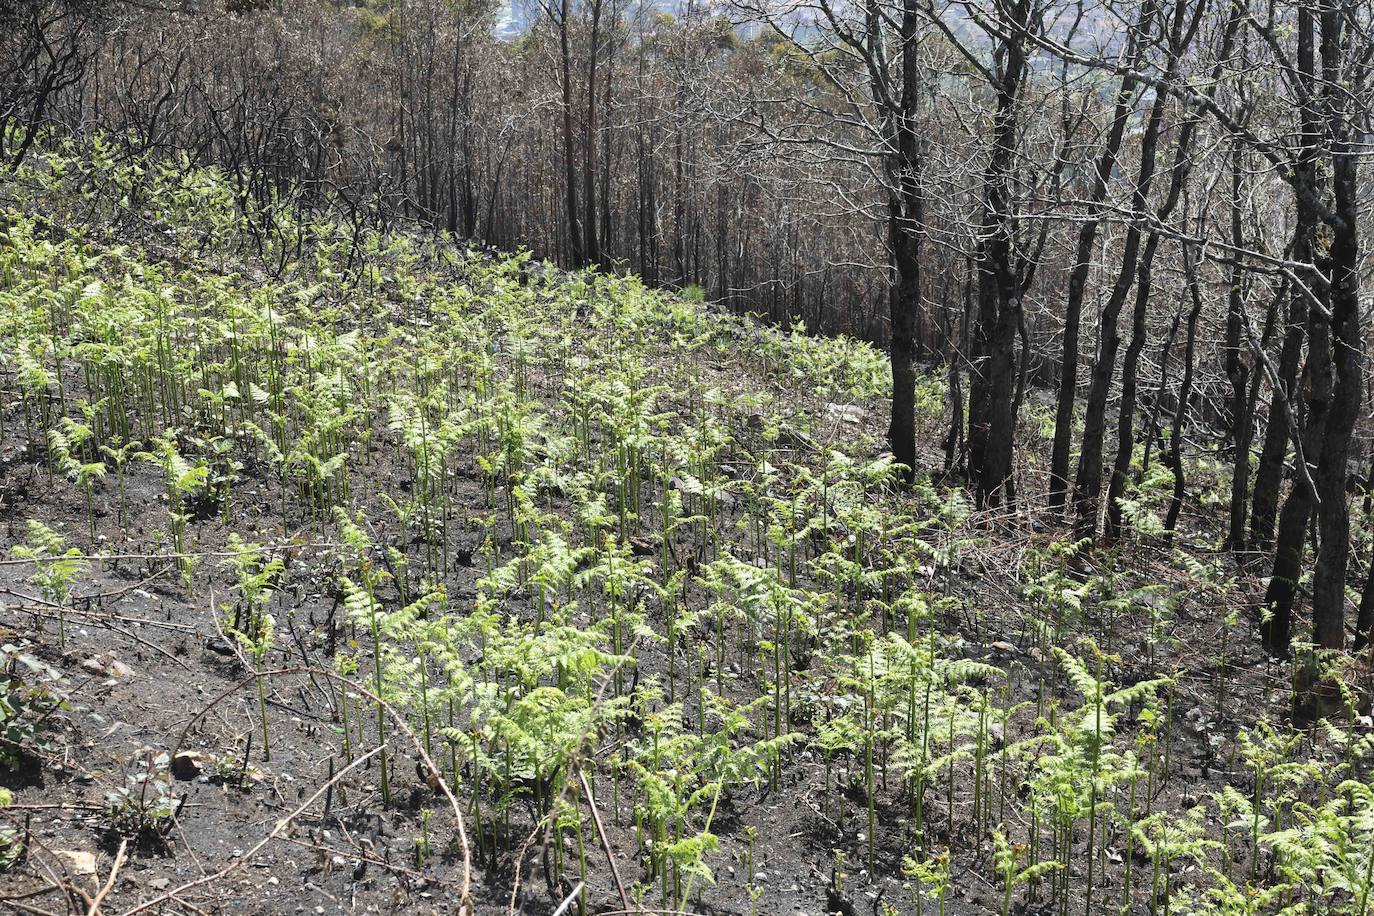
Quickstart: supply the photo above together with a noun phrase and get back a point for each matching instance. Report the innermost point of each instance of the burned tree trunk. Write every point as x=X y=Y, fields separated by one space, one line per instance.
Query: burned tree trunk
x=904 y=224
x=993 y=378
x=1088 y=479
x=1238 y=374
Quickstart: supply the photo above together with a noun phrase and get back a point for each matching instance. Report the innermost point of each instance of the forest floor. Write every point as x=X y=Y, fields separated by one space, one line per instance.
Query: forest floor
x=147 y=671
x=148 y=788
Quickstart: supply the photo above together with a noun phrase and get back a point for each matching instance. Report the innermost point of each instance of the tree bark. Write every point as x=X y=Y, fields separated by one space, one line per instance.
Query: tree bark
x=1347 y=342
x=1185 y=394
x=576 y=252
x=905 y=216
x=1364 y=621
x=1237 y=373
x=1264 y=504
x=1277 y=625
x=590 y=236
x=991 y=419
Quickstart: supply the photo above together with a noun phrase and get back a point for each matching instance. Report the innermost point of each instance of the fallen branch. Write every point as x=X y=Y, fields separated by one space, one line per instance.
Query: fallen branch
x=605 y=844
x=109 y=882
x=568 y=900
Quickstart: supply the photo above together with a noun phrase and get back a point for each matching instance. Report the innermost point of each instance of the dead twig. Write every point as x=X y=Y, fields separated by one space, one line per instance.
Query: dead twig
x=605 y=844
x=363 y=857
x=109 y=881
x=109 y=557
x=19 y=905
x=40 y=611
x=35 y=603
x=568 y=900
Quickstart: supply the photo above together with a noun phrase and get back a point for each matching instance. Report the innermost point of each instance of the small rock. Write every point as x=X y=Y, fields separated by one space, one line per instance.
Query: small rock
x=844 y=413
x=107 y=665
x=187 y=765
x=219 y=645
x=79 y=864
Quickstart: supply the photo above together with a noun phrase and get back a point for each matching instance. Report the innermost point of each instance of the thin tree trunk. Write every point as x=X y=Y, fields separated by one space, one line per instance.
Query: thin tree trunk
x=1185 y=394
x=1179 y=173
x=1364 y=622
x=1152 y=430
x=1125 y=421
x=1078 y=282
x=906 y=215
x=1088 y=480
x=1269 y=471
x=1238 y=373
x=590 y=236
x=576 y=252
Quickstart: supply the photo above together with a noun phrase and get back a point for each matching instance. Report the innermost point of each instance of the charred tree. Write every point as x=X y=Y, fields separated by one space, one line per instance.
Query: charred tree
x=993 y=375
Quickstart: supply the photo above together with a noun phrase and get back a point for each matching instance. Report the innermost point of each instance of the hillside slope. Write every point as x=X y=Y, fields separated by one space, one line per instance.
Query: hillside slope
x=376 y=574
